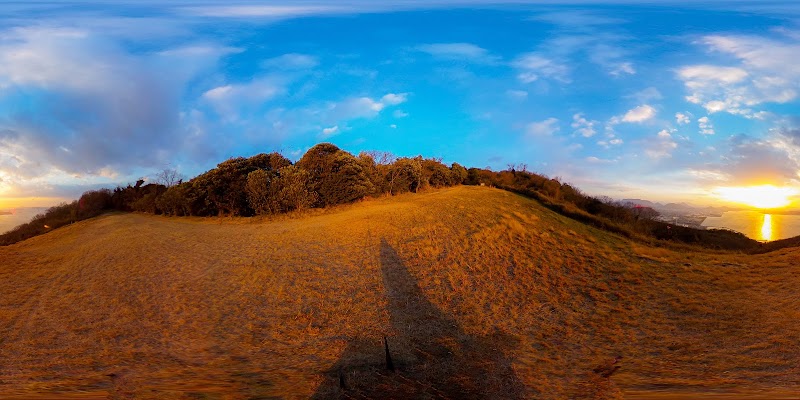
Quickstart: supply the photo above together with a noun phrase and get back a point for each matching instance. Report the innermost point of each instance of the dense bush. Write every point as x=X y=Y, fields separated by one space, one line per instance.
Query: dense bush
x=223 y=190
x=336 y=176
x=259 y=191
x=291 y=189
x=93 y=203
x=406 y=175
x=435 y=174
x=175 y=200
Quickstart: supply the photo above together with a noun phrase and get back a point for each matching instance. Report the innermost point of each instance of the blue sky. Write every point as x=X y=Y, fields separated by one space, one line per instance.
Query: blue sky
x=659 y=100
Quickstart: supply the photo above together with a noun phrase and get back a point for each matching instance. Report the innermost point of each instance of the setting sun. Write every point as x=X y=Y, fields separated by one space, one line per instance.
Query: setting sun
x=764 y=196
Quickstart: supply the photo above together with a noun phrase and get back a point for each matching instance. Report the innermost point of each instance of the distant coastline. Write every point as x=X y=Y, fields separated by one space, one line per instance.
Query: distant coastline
x=10 y=219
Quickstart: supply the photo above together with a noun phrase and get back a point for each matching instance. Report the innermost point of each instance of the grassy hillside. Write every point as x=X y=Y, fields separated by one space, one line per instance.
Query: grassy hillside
x=481 y=294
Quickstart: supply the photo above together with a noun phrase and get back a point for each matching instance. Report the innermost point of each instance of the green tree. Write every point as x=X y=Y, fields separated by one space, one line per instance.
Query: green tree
x=291 y=189
x=223 y=190
x=335 y=175
x=435 y=173
x=458 y=174
x=406 y=175
x=260 y=192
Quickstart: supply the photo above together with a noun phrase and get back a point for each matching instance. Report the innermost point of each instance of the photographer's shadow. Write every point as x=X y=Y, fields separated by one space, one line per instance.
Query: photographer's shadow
x=429 y=355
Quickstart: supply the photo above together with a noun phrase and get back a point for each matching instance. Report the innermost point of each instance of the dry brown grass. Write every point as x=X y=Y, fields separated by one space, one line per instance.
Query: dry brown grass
x=480 y=292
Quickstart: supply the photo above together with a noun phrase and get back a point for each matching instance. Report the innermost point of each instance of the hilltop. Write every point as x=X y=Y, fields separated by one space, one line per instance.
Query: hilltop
x=480 y=292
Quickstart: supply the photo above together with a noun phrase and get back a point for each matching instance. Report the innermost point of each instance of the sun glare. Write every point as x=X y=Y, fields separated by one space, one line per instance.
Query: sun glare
x=764 y=196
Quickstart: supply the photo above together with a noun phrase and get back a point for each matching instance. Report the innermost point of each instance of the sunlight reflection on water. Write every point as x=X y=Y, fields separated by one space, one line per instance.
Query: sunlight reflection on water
x=766 y=228
x=757 y=225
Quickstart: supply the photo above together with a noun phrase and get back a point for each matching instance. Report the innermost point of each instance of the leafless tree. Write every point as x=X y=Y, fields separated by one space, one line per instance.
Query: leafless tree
x=382 y=157
x=168 y=177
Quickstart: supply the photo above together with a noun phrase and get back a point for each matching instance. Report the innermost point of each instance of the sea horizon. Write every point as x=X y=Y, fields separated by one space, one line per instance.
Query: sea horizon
x=10 y=218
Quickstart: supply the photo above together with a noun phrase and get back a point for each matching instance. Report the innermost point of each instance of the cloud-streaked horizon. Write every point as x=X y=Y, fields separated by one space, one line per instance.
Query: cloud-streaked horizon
x=596 y=93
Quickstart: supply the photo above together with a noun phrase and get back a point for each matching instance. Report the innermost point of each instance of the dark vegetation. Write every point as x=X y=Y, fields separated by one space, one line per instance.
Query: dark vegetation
x=326 y=176
x=627 y=219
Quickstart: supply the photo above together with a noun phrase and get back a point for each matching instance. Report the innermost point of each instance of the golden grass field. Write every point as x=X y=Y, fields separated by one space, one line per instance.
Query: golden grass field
x=481 y=294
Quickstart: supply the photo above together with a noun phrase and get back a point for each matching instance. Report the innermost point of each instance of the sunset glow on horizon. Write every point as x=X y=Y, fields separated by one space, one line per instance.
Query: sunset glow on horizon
x=762 y=197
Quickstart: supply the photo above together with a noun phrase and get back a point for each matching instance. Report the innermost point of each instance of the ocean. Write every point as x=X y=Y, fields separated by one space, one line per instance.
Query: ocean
x=757 y=225
x=17 y=216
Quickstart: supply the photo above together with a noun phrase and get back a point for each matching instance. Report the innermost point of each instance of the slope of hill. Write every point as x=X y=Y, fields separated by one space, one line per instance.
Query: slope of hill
x=480 y=293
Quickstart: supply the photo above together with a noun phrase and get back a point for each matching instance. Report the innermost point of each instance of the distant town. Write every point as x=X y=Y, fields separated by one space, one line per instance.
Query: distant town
x=682 y=214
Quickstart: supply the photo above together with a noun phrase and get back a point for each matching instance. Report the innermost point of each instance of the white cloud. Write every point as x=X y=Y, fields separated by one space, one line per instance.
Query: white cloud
x=773 y=159
x=609 y=142
x=583 y=127
x=542 y=128
x=597 y=160
x=623 y=68
x=661 y=146
x=393 y=126
x=111 y=109
x=766 y=74
x=601 y=47
x=610 y=57
x=393 y=99
x=533 y=66
x=639 y=114
x=331 y=131
x=327 y=118
x=706 y=128
x=697 y=76
x=231 y=100
x=359 y=107
x=682 y=119
x=459 y=51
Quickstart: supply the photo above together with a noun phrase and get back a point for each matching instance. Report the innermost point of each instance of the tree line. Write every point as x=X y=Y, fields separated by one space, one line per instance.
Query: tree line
x=623 y=218
x=262 y=184
x=327 y=175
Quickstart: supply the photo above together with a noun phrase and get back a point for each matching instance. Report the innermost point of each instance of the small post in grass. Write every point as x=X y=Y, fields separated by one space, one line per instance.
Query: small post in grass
x=389 y=363
x=342 y=384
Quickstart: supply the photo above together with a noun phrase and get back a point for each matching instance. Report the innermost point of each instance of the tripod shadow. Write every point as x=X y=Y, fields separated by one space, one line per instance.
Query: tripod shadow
x=431 y=354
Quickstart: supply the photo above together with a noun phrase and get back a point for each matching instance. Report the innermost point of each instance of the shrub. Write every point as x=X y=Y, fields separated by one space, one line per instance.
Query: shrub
x=93 y=203
x=175 y=201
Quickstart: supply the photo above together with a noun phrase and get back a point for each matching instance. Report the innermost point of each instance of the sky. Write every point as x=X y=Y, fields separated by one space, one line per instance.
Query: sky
x=661 y=100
